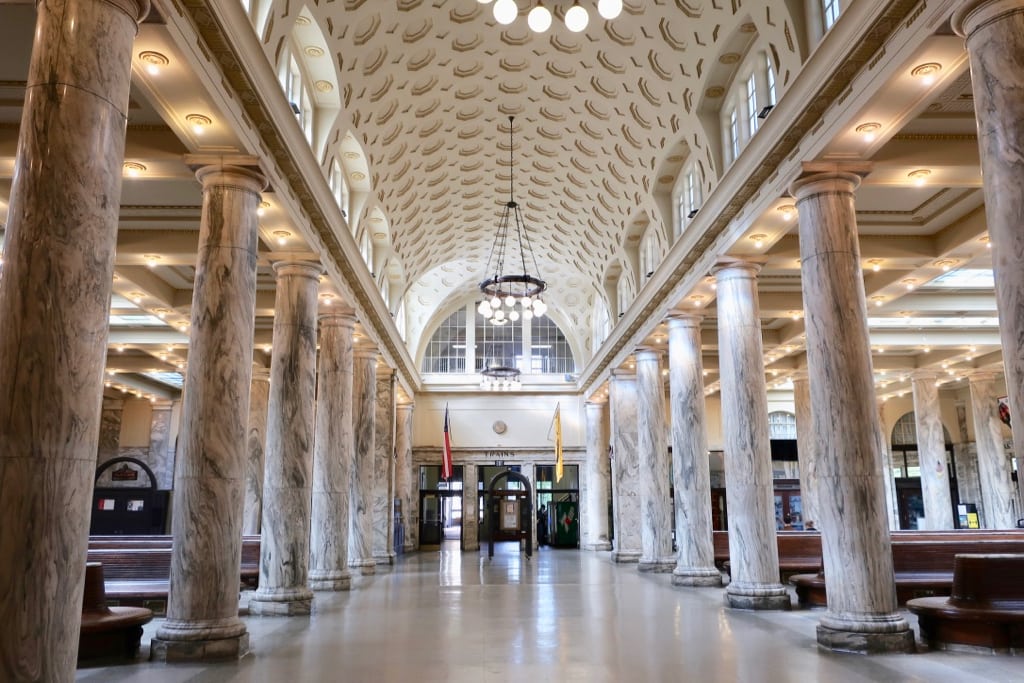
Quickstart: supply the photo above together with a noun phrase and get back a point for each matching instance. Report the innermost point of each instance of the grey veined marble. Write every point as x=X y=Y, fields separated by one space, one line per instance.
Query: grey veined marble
x=695 y=557
x=209 y=483
x=994 y=465
x=259 y=398
x=598 y=473
x=404 y=475
x=857 y=560
x=54 y=304
x=332 y=461
x=364 y=389
x=384 y=468
x=622 y=397
x=994 y=30
x=753 y=553
x=931 y=452
x=287 y=479
x=805 y=448
x=655 y=503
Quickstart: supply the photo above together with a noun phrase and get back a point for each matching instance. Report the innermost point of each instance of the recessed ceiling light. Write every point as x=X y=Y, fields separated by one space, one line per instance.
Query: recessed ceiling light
x=199 y=123
x=869 y=131
x=875 y=263
x=282 y=236
x=788 y=211
x=133 y=168
x=927 y=72
x=154 y=61
x=758 y=239
x=151 y=260
x=920 y=176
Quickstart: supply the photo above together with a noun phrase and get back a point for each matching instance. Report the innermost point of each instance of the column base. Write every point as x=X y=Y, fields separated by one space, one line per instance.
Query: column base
x=766 y=596
x=663 y=566
x=384 y=558
x=330 y=580
x=199 y=650
x=600 y=545
x=696 y=577
x=408 y=548
x=866 y=643
x=367 y=567
x=282 y=602
x=625 y=556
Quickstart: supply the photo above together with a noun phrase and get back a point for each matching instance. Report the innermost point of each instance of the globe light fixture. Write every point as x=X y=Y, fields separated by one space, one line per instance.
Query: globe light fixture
x=576 y=18
x=539 y=18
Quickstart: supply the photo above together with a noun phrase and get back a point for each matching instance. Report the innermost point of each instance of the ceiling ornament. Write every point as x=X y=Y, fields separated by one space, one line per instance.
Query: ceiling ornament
x=539 y=18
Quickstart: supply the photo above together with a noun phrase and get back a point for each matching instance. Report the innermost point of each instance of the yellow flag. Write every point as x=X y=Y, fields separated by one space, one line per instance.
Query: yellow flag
x=558 y=443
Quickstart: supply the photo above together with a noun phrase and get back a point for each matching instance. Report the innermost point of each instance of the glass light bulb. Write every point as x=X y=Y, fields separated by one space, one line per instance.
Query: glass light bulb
x=484 y=309
x=484 y=2
x=527 y=314
x=499 y=314
x=510 y=301
x=513 y=316
x=539 y=308
x=505 y=11
x=609 y=9
x=495 y=302
x=526 y=302
x=539 y=19
x=576 y=19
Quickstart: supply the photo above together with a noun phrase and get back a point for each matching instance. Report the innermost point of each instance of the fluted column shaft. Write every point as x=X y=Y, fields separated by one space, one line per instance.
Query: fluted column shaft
x=259 y=397
x=857 y=560
x=54 y=305
x=805 y=449
x=598 y=470
x=994 y=30
x=931 y=452
x=753 y=553
x=403 y=471
x=691 y=470
x=364 y=390
x=288 y=471
x=994 y=467
x=209 y=483
x=655 y=503
x=625 y=465
x=384 y=469
x=332 y=459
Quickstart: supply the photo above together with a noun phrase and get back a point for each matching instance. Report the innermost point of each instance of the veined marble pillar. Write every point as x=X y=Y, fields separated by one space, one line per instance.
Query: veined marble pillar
x=364 y=389
x=470 y=508
x=54 y=304
x=209 y=479
x=404 y=477
x=161 y=454
x=695 y=558
x=259 y=397
x=806 y=456
x=931 y=452
x=110 y=429
x=288 y=471
x=595 y=520
x=994 y=30
x=994 y=469
x=862 y=615
x=655 y=503
x=384 y=468
x=892 y=510
x=332 y=460
x=625 y=466
x=753 y=552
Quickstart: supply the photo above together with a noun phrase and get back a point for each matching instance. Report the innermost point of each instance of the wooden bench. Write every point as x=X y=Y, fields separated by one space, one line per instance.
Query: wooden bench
x=799 y=551
x=985 y=608
x=107 y=631
x=922 y=563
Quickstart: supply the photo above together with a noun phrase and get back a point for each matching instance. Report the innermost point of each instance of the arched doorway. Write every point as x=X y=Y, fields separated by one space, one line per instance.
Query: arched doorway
x=509 y=510
x=906 y=471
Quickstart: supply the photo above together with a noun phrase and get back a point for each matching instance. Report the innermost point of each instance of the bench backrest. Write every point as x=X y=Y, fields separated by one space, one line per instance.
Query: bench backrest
x=938 y=556
x=134 y=563
x=995 y=580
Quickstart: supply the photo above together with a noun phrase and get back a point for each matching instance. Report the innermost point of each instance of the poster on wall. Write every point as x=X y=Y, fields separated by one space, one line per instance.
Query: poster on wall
x=1004 y=410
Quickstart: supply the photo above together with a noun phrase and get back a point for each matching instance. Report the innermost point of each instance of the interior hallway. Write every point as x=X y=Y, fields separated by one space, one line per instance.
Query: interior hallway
x=563 y=616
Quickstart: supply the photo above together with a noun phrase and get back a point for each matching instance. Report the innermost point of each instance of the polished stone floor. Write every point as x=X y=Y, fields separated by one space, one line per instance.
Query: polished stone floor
x=562 y=616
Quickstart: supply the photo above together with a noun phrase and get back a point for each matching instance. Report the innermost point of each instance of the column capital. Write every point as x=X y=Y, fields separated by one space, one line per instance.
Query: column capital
x=647 y=353
x=924 y=375
x=730 y=268
x=404 y=404
x=981 y=376
x=591 y=404
x=681 y=318
x=365 y=349
x=833 y=181
x=242 y=173
x=137 y=10
x=338 y=316
x=298 y=268
x=618 y=375
x=161 y=404
x=975 y=13
x=385 y=372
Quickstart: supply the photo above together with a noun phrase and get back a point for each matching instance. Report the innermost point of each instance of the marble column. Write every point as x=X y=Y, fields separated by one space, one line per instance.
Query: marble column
x=655 y=502
x=403 y=473
x=753 y=552
x=807 y=458
x=364 y=389
x=931 y=452
x=332 y=460
x=892 y=510
x=161 y=452
x=470 y=508
x=625 y=466
x=110 y=429
x=598 y=472
x=862 y=615
x=384 y=468
x=691 y=469
x=209 y=478
x=54 y=304
x=994 y=467
x=994 y=30
x=288 y=471
x=259 y=397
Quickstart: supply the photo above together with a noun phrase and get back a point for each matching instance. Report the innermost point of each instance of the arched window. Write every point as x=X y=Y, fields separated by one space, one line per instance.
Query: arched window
x=446 y=350
x=752 y=96
x=781 y=425
x=336 y=179
x=366 y=249
x=689 y=196
x=602 y=325
x=549 y=349
x=829 y=12
x=649 y=252
x=622 y=293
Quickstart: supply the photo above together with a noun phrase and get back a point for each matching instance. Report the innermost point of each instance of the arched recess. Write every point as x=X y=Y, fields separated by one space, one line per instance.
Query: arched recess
x=357 y=176
x=600 y=321
x=524 y=498
x=904 y=432
x=610 y=284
